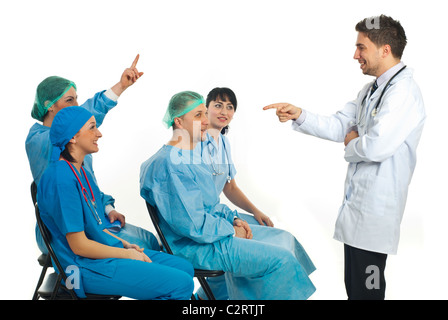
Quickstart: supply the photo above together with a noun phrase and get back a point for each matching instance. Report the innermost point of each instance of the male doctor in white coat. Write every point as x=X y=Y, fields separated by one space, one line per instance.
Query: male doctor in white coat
x=381 y=129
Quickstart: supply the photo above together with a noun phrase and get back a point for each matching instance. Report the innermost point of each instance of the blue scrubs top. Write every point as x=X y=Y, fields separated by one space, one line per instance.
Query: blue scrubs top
x=64 y=210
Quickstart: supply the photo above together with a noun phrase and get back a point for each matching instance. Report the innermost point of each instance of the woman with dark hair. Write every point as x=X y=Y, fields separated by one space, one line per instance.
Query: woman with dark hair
x=260 y=263
x=215 y=152
x=221 y=104
x=105 y=263
x=56 y=93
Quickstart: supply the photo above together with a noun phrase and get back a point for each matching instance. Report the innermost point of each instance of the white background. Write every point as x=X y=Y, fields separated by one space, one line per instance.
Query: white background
x=266 y=51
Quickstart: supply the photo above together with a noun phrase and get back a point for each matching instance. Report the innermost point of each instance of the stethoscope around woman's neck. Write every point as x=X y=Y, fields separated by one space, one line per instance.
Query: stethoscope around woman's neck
x=218 y=172
x=89 y=200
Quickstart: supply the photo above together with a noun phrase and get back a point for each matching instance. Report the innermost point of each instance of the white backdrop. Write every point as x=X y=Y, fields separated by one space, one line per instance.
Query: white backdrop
x=266 y=51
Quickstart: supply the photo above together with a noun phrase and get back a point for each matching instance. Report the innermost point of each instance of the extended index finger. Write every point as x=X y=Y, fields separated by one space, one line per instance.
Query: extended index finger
x=274 y=106
x=135 y=61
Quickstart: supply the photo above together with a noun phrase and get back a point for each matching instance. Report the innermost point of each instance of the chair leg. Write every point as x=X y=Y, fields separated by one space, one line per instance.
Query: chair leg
x=206 y=288
x=60 y=286
x=42 y=277
x=39 y=283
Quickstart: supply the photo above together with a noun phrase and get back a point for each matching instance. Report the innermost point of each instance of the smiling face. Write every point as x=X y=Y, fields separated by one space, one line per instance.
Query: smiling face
x=86 y=140
x=368 y=55
x=220 y=113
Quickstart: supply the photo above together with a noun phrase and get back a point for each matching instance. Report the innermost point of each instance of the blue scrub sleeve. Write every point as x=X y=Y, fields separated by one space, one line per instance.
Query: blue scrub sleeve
x=99 y=105
x=180 y=203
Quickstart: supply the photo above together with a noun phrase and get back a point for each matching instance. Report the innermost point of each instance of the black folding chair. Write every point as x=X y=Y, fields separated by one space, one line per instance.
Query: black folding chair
x=44 y=259
x=53 y=288
x=200 y=274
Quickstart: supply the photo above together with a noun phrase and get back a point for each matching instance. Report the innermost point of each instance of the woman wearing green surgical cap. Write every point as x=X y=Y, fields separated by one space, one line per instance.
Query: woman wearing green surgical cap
x=54 y=94
x=106 y=263
x=259 y=263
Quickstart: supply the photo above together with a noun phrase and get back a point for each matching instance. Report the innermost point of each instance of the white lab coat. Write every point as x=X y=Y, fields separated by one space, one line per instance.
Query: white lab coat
x=381 y=161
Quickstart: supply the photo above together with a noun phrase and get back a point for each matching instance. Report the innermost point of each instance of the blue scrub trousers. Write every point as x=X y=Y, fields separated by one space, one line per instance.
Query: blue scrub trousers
x=218 y=284
x=167 y=277
x=277 y=237
x=271 y=266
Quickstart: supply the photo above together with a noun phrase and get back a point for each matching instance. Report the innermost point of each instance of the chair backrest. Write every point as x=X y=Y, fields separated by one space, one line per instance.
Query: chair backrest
x=46 y=236
x=34 y=192
x=153 y=213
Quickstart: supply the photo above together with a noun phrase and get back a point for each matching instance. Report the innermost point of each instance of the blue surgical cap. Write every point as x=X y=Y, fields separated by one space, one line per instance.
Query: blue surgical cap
x=65 y=126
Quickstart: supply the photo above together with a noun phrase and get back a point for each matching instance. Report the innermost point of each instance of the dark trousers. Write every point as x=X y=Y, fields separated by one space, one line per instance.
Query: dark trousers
x=364 y=274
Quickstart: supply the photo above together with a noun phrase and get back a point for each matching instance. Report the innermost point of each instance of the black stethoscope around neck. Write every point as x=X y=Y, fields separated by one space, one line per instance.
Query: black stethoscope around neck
x=377 y=105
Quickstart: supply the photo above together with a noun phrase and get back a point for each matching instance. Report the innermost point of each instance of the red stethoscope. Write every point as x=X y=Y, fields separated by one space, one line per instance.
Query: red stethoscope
x=90 y=202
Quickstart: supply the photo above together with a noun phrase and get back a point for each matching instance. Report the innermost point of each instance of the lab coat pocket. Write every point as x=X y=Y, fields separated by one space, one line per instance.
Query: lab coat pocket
x=378 y=195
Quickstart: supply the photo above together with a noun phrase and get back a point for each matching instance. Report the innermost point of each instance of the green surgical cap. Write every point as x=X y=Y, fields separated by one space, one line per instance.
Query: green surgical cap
x=48 y=93
x=180 y=104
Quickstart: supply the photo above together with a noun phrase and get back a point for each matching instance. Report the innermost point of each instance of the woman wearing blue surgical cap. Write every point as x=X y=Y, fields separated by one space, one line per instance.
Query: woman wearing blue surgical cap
x=67 y=201
x=54 y=94
x=258 y=264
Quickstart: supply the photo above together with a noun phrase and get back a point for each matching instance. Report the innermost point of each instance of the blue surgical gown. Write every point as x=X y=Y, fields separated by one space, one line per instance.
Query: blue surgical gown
x=64 y=210
x=200 y=229
x=38 y=148
x=218 y=156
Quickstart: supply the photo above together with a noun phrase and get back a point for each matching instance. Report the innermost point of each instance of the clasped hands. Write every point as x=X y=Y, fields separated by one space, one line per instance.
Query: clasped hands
x=134 y=251
x=242 y=229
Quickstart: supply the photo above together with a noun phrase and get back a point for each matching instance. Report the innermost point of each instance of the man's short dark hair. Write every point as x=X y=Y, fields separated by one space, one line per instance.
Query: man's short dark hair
x=384 y=30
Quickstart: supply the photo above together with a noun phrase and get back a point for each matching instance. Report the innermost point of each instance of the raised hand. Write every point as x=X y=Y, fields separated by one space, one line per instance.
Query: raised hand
x=128 y=78
x=130 y=75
